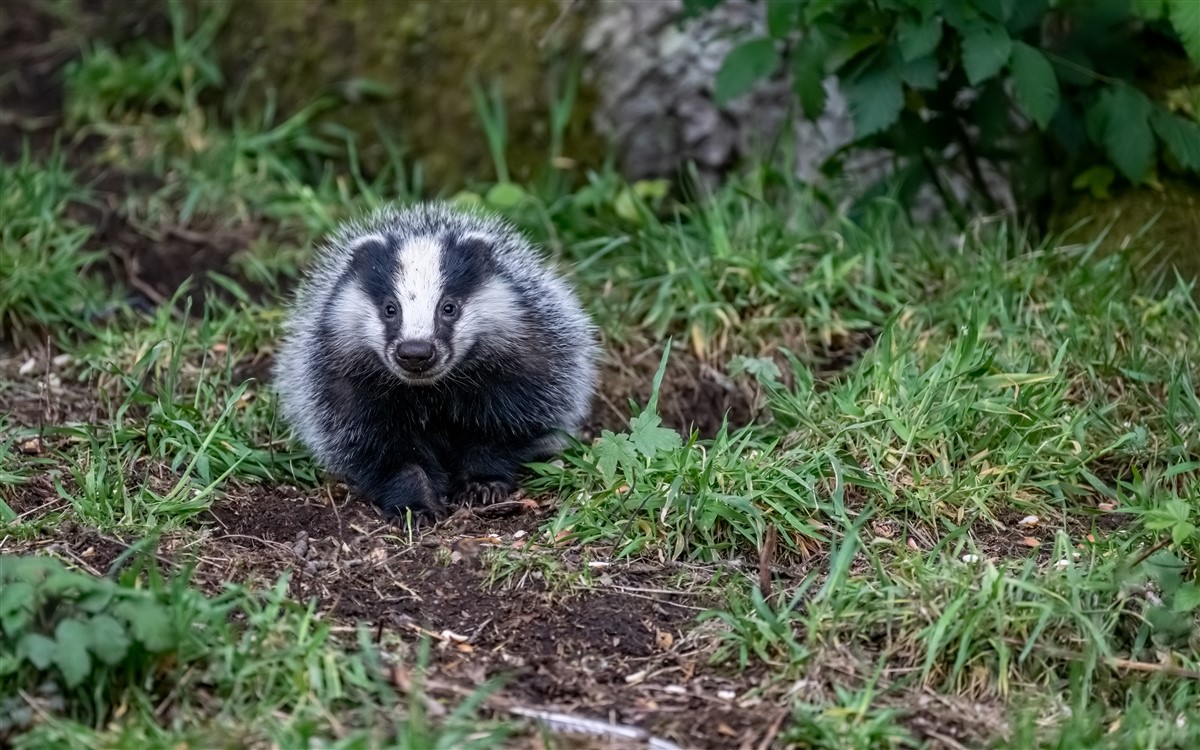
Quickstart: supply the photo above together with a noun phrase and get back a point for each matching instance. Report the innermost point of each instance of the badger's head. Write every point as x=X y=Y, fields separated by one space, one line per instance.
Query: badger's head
x=425 y=302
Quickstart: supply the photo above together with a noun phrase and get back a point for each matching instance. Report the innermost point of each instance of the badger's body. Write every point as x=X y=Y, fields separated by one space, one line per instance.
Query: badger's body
x=430 y=352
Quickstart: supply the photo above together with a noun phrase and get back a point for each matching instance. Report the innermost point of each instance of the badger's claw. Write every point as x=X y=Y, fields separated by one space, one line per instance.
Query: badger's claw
x=482 y=493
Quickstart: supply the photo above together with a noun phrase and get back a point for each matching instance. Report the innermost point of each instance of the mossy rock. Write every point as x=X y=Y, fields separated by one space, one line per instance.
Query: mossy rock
x=1160 y=224
x=418 y=59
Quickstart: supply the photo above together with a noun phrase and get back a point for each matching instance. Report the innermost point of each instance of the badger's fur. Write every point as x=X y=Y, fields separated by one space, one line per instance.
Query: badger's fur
x=430 y=353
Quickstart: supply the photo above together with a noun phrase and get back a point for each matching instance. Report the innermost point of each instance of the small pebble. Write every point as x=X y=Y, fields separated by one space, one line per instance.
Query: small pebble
x=27 y=367
x=1030 y=521
x=61 y=360
x=968 y=559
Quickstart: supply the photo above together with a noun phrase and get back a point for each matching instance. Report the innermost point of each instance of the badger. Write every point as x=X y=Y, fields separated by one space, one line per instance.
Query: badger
x=429 y=353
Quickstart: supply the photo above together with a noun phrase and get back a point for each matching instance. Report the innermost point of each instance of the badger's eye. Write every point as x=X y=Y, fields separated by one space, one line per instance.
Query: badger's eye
x=449 y=309
x=389 y=310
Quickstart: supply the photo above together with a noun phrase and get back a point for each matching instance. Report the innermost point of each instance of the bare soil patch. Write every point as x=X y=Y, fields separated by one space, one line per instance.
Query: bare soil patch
x=614 y=649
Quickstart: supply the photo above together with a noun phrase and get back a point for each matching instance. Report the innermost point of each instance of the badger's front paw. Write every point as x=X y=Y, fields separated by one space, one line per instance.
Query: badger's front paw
x=410 y=490
x=489 y=492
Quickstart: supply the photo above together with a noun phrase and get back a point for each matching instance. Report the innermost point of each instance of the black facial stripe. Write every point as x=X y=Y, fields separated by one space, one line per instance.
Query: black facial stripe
x=466 y=265
x=374 y=266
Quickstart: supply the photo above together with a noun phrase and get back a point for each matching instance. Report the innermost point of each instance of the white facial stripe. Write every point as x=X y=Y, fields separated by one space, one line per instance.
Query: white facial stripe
x=356 y=319
x=491 y=311
x=419 y=287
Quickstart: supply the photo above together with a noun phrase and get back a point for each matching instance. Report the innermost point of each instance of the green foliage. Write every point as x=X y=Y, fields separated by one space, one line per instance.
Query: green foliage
x=78 y=630
x=918 y=75
x=107 y=86
x=45 y=280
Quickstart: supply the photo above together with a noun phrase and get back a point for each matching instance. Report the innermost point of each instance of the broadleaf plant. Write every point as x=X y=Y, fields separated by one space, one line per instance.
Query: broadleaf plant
x=1052 y=93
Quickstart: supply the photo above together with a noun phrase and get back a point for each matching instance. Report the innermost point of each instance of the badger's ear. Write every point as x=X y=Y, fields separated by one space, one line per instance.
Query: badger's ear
x=474 y=246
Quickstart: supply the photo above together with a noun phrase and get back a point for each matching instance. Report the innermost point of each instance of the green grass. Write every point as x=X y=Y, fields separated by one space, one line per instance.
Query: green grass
x=1006 y=379
x=45 y=286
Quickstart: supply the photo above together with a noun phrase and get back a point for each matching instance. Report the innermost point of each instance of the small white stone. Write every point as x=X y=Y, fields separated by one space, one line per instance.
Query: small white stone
x=1030 y=521
x=969 y=559
x=519 y=534
x=27 y=366
x=1063 y=564
x=726 y=695
x=61 y=360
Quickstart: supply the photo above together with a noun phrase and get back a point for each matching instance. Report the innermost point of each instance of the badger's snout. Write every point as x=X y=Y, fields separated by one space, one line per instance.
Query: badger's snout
x=416 y=356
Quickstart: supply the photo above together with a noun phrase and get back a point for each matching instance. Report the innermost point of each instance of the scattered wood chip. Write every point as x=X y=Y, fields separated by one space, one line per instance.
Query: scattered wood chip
x=664 y=639
x=1030 y=541
x=1107 y=507
x=31 y=446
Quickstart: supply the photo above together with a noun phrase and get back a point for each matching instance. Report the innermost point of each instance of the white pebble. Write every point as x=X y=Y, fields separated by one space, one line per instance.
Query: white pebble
x=968 y=559
x=27 y=367
x=1030 y=521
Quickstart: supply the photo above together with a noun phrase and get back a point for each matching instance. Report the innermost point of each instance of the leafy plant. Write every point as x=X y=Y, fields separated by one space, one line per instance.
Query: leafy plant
x=1054 y=92
x=80 y=636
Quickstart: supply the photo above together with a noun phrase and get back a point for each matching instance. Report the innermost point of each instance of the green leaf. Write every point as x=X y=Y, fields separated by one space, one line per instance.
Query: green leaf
x=505 y=195
x=70 y=653
x=149 y=622
x=16 y=596
x=921 y=74
x=1149 y=9
x=745 y=65
x=808 y=79
x=1185 y=17
x=16 y=607
x=37 y=649
x=1000 y=10
x=107 y=639
x=1180 y=135
x=783 y=17
x=1035 y=84
x=986 y=48
x=919 y=38
x=875 y=98
x=1123 y=115
x=1187 y=598
x=1096 y=180
x=614 y=449
x=649 y=438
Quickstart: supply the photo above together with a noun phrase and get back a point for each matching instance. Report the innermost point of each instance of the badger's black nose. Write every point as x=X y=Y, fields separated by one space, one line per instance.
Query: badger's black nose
x=415 y=356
